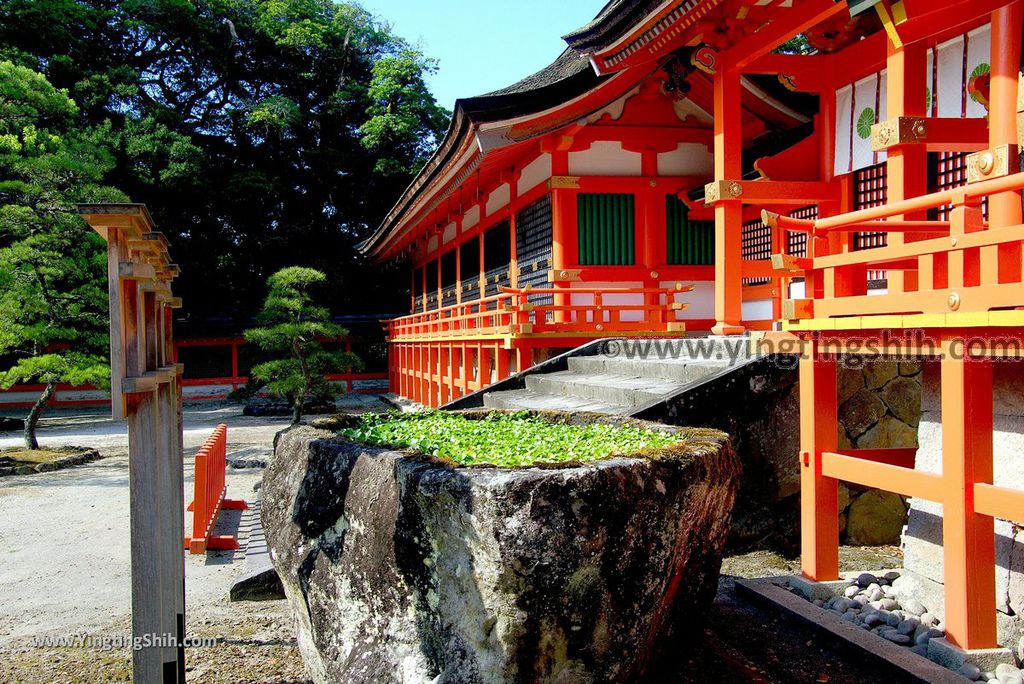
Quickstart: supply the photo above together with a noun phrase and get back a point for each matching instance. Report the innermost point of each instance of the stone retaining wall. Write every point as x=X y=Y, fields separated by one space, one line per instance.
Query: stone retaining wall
x=879 y=408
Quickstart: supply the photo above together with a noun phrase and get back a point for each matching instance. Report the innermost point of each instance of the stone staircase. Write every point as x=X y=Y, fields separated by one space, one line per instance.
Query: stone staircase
x=625 y=377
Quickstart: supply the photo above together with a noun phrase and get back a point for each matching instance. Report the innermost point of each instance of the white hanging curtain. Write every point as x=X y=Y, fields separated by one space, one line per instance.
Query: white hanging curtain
x=951 y=67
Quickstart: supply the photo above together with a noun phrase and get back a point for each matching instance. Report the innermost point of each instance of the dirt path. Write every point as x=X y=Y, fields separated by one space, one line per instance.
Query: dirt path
x=65 y=567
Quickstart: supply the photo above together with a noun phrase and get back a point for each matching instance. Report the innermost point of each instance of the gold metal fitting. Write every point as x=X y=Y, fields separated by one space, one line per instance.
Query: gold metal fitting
x=953 y=301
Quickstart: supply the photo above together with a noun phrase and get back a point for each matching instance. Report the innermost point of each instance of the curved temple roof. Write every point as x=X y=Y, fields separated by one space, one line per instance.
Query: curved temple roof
x=567 y=90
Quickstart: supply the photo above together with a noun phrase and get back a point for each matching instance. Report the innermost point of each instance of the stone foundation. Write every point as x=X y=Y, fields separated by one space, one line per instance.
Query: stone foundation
x=923 y=540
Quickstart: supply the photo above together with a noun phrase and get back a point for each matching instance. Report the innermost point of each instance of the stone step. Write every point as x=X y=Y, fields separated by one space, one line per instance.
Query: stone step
x=604 y=388
x=714 y=348
x=524 y=399
x=681 y=370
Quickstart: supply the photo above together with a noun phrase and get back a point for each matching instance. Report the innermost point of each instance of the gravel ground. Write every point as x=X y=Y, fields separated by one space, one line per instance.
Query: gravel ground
x=64 y=571
x=65 y=567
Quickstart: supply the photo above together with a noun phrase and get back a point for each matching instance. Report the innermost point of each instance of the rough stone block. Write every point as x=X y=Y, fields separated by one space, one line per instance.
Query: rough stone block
x=903 y=397
x=875 y=517
x=923 y=540
x=400 y=569
x=888 y=433
x=861 y=411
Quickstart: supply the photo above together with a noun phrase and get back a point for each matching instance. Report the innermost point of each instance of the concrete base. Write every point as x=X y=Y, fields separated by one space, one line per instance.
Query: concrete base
x=953 y=657
x=816 y=591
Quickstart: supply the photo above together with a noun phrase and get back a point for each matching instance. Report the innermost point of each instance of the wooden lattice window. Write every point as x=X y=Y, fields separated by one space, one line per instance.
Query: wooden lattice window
x=757 y=246
x=449 y=276
x=497 y=255
x=948 y=170
x=796 y=241
x=606 y=229
x=533 y=247
x=469 y=268
x=870 y=189
x=688 y=243
x=431 y=273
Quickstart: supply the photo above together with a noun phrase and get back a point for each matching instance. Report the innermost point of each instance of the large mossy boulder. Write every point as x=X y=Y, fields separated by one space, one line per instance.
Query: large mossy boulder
x=400 y=568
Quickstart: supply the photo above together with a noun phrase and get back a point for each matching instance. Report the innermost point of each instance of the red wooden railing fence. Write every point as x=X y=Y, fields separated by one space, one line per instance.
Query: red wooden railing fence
x=208 y=499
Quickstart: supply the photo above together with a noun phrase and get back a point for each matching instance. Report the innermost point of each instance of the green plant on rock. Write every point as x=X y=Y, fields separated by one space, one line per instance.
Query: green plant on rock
x=505 y=439
x=294 y=328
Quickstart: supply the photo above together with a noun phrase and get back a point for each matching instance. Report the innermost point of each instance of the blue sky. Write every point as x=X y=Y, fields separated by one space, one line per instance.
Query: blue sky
x=485 y=44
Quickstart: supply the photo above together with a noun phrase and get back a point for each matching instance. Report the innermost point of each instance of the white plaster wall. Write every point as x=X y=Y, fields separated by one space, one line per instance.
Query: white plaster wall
x=206 y=391
x=534 y=173
x=471 y=217
x=449 y=233
x=701 y=300
x=605 y=158
x=498 y=199
x=757 y=310
x=688 y=159
x=587 y=299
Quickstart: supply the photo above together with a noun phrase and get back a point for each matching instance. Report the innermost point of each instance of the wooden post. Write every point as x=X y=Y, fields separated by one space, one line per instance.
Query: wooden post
x=819 y=495
x=1004 y=208
x=146 y=391
x=968 y=538
x=906 y=165
x=728 y=212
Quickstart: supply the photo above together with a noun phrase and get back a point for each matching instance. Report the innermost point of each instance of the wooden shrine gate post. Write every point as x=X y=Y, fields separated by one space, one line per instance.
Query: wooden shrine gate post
x=146 y=391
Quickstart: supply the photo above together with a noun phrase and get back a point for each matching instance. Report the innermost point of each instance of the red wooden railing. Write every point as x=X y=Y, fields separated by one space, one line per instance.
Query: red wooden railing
x=954 y=265
x=512 y=313
x=209 y=494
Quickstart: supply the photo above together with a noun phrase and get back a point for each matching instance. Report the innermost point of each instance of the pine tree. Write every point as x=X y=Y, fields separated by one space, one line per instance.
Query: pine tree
x=53 y=301
x=294 y=327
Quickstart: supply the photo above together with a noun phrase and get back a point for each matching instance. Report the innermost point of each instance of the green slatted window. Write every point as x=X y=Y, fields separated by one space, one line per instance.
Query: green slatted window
x=606 y=228
x=689 y=243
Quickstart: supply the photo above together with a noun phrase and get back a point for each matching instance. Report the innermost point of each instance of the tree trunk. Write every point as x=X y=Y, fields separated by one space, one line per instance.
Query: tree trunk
x=297 y=410
x=33 y=416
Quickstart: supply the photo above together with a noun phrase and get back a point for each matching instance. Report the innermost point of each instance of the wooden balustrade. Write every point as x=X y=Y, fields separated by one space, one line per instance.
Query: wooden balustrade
x=951 y=268
x=511 y=313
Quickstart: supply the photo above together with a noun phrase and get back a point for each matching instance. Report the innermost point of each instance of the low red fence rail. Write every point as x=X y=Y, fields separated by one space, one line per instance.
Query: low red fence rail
x=512 y=313
x=208 y=499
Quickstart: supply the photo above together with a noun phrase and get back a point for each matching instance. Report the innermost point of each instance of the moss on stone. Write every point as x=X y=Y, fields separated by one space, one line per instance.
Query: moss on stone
x=539 y=439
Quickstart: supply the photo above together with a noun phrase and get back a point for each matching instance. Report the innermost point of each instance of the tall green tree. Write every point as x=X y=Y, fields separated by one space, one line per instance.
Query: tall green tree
x=261 y=133
x=53 y=303
x=292 y=329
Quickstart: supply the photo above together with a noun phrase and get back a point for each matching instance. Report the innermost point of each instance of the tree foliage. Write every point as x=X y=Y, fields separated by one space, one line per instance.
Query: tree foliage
x=259 y=132
x=291 y=328
x=53 y=301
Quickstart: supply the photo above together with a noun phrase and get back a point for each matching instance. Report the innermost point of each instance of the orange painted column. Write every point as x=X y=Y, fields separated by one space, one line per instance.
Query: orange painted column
x=819 y=495
x=906 y=165
x=728 y=213
x=1004 y=209
x=968 y=539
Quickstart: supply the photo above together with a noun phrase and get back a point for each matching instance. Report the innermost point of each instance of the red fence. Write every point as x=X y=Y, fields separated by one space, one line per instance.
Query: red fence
x=209 y=498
